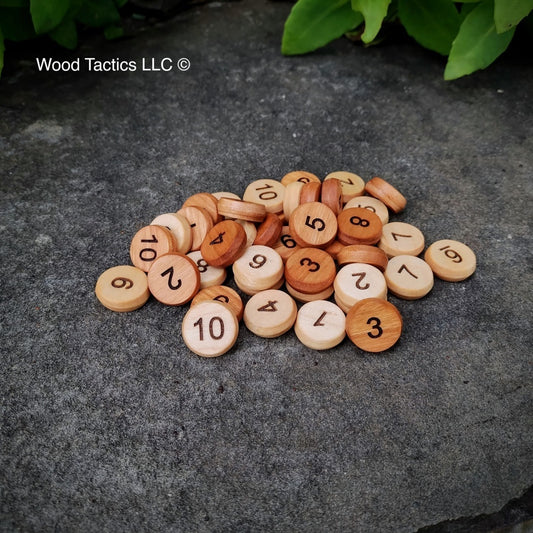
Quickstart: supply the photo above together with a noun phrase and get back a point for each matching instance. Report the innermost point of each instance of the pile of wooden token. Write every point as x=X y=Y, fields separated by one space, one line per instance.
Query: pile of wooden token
x=317 y=239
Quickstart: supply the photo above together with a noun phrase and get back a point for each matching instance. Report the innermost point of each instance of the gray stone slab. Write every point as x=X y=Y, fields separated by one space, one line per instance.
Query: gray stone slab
x=111 y=424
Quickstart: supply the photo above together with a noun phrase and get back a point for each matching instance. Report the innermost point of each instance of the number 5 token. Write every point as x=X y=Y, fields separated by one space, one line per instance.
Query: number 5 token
x=451 y=260
x=374 y=325
x=122 y=288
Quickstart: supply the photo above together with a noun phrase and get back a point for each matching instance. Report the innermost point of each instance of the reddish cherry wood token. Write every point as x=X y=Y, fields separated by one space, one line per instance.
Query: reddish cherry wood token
x=331 y=195
x=310 y=192
x=363 y=253
x=149 y=243
x=372 y=204
x=122 y=288
x=267 y=192
x=359 y=226
x=409 y=277
x=286 y=245
x=224 y=244
x=384 y=191
x=304 y=297
x=200 y=222
x=239 y=209
x=269 y=231
x=352 y=185
x=334 y=249
x=179 y=227
x=206 y=201
x=173 y=279
x=224 y=294
x=451 y=260
x=374 y=325
x=310 y=270
x=313 y=224
x=209 y=275
x=299 y=175
x=291 y=199
x=400 y=238
x=320 y=325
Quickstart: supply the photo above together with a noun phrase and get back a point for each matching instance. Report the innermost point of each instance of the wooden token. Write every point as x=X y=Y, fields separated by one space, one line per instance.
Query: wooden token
x=250 y=290
x=149 y=243
x=210 y=328
x=400 y=238
x=313 y=224
x=311 y=192
x=384 y=191
x=250 y=230
x=179 y=227
x=259 y=268
x=340 y=302
x=241 y=210
x=270 y=313
x=122 y=288
x=451 y=260
x=320 y=325
x=358 y=281
x=225 y=194
x=331 y=195
x=224 y=294
x=363 y=253
x=173 y=279
x=372 y=204
x=266 y=192
x=209 y=275
x=352 y=185
x=285 y=245
x=359 y=226
x=200 y=222
x=310 y=270
x=409 y=277
x=224 y=244
x=269 y=231
x=374 y=325
x=334 y=249
x=299 y=175
x=291 y=198
x=304 y=297
x=205 y=201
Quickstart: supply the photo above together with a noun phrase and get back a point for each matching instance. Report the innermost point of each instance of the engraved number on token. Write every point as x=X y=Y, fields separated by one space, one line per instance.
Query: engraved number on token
x=313 y=265
x=267 y=195
x=288 y=241
x=219 y=239
x=170 y=272
x=212 y=322
x=319 y=319
x=369 y=207
x=396 y=235
x=451 y=254
x=403 y=267
x=316 y=223
x=376 y=326
x=257 y=261
x=152 y=254
x=269 y=307
x=202 y=264
x=122 y=283
x=360 y=277
x=358 y=221
x=222 y=298
x=304 y=179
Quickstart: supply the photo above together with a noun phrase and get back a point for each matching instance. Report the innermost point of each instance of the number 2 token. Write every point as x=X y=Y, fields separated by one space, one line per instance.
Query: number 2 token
x=122 y=288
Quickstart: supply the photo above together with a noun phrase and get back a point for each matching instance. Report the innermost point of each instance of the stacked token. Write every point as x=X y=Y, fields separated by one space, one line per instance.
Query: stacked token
x=328 y=243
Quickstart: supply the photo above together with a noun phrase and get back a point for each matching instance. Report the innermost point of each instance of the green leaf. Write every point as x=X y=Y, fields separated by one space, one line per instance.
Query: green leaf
x=508 y=13
x=65 y=34
x=374 y=11
x=2 y=48
x=113 y=32
x=98 y=13
x=432 y=24
x=47 y=14
x=314 y=23
x=16 y=24
x=120 y=3
x=477 y=44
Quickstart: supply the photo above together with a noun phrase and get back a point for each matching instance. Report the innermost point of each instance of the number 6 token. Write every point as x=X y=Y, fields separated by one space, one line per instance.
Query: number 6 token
x=451 y=260
x=374 y=325
x=122 y=288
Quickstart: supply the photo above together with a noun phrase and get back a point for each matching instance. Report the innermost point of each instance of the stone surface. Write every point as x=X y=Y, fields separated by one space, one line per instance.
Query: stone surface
x=111 y=424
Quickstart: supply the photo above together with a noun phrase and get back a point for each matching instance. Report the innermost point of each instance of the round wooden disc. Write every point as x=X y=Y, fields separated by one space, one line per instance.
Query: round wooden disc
x=259 y=268
x=384 y=191
x=409 y=277
x=200 y=222
x=250 y=290
x=352 y=185
x=451 y=260
x=224 y=294
x=149 y=243
x=334 y=249
x=225 y=194
x=269 y=230
x=210 y=328
x=304 y=297
x=209 y=275
x=270 y=313
x=310 y=270
x=363 y=253
x=299 y=175
x=250 y=229
x=241 y=210
x=400 y=238
x=374 y=325
x=320 y=325
x=122 y=288
x=331 y=195
x=291 y=198
x=173 y=279
x=357 y=281
x=372 y=204
x=206 y=201
x=223 y=244
x=313 y=224
x=285 y=245
x=359 y=226
x=179 y=227
x=311 y=192
x=267 y=192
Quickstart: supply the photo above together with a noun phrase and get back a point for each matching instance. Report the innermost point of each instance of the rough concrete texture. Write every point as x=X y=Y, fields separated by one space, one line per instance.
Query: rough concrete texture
x=111 y=424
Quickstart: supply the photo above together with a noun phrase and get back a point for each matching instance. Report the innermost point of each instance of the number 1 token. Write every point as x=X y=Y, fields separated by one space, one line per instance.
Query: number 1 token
x=451 y=260
x=122 y=288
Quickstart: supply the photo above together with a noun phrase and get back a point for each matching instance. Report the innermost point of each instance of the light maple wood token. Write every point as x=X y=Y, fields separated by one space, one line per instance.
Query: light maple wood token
x=363 y=253
x=357 y=281
x=299 y=175
x=224 y=244
x=400 y=238
x=374 y=325
x=408 y=277
x=259 y=268
x=313 y=224
x=200 y=222
x=359 y=226
x=320 y=325
x=241 y=210
x=304 y=297
x=210 y=328
x=250 y=229
x=310 y=270
x=173 y=279
x=384 y=191
x=122 y=288
x=352 y=185
x=285 y=245
x=267 y=192
x=269 y=230
x=179 y=227
x=250 y=290
x=451 y=260
x=331 y=195
x=270 y=313
x=209 y=275
x=311 y=192
x=205 y=201
x=291 y=198
x=225 y=194
x=149 y=243
x=224 y=294
x=372 y=204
